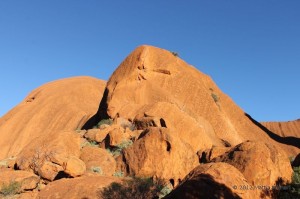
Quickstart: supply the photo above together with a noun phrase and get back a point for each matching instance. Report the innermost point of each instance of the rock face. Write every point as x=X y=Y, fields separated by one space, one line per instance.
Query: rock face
x=260 y=163
x=44 y=111
x=286 y=133
x=153 y=83
x=284 y=129
x=213 y=180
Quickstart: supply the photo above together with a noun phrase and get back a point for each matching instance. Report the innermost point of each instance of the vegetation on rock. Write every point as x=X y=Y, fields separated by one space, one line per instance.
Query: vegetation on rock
x=135 y=188
x=11 y=189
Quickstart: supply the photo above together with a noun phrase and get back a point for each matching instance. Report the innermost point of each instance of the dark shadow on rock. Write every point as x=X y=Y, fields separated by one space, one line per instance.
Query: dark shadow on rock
x=202 y=186
x=101 y=113
x=61 y=175
x=293 y=141
x=282 y=190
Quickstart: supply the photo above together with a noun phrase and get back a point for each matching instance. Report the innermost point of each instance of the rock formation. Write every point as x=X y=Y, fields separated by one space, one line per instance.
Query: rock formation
x=158 y=117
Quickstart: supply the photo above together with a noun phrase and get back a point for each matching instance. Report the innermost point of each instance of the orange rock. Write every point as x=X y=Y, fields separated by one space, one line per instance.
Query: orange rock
x=81 y=187
x=49 y=170
x=26 y=180
x=214 y=180
x=285 y=133
x=74 y=167
x=27 y=195
x=262 y=164
x=98 y=161
x=209 y=154
x=284 y=129
x=59 y=105
x=117 y=136
x=160 y=153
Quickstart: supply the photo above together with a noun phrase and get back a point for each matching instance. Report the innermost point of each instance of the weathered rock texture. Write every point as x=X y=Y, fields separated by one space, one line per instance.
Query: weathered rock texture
x=60 y=105
x=285 y=132
x=284 y=129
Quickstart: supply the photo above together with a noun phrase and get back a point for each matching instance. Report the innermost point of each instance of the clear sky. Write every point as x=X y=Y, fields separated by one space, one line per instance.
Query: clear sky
x=250 y=48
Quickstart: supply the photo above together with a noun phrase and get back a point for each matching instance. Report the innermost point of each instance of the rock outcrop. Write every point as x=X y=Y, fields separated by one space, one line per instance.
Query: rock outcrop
x=60 y=105
x=261 y=163
x=153 y=83
x=214 y=180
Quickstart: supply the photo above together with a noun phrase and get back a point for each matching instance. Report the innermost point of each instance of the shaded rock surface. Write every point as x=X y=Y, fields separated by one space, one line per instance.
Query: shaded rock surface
x=81 y=187
x=213 y=180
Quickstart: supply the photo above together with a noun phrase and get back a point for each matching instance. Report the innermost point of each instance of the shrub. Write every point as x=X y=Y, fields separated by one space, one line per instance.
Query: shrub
x=11 y=189
x=118 y=174
x=105 y=121
x=135 y=188
x=118 y=149
x=286 y=191
x=97 y=170
x=175 y=54
x=215 y=97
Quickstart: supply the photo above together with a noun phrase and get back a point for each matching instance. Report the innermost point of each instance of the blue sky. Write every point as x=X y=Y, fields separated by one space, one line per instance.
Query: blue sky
x=250 y=48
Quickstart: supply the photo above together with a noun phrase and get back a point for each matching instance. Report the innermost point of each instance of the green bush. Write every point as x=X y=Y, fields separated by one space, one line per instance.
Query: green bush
x=105 y=121
x=11 y=189
x=118 y=149
x=136 y=188
x=287 y=191
x=97 y=170
x=118 y=174
x=215 y=97
x=175 y=54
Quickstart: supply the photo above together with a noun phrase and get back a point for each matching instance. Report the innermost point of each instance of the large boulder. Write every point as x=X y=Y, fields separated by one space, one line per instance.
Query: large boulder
x=98 y=161
x=74 y=188
x=214 y=180
x=161 y=153
x=59 y=105
x=261 y=163
x=52 y=153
